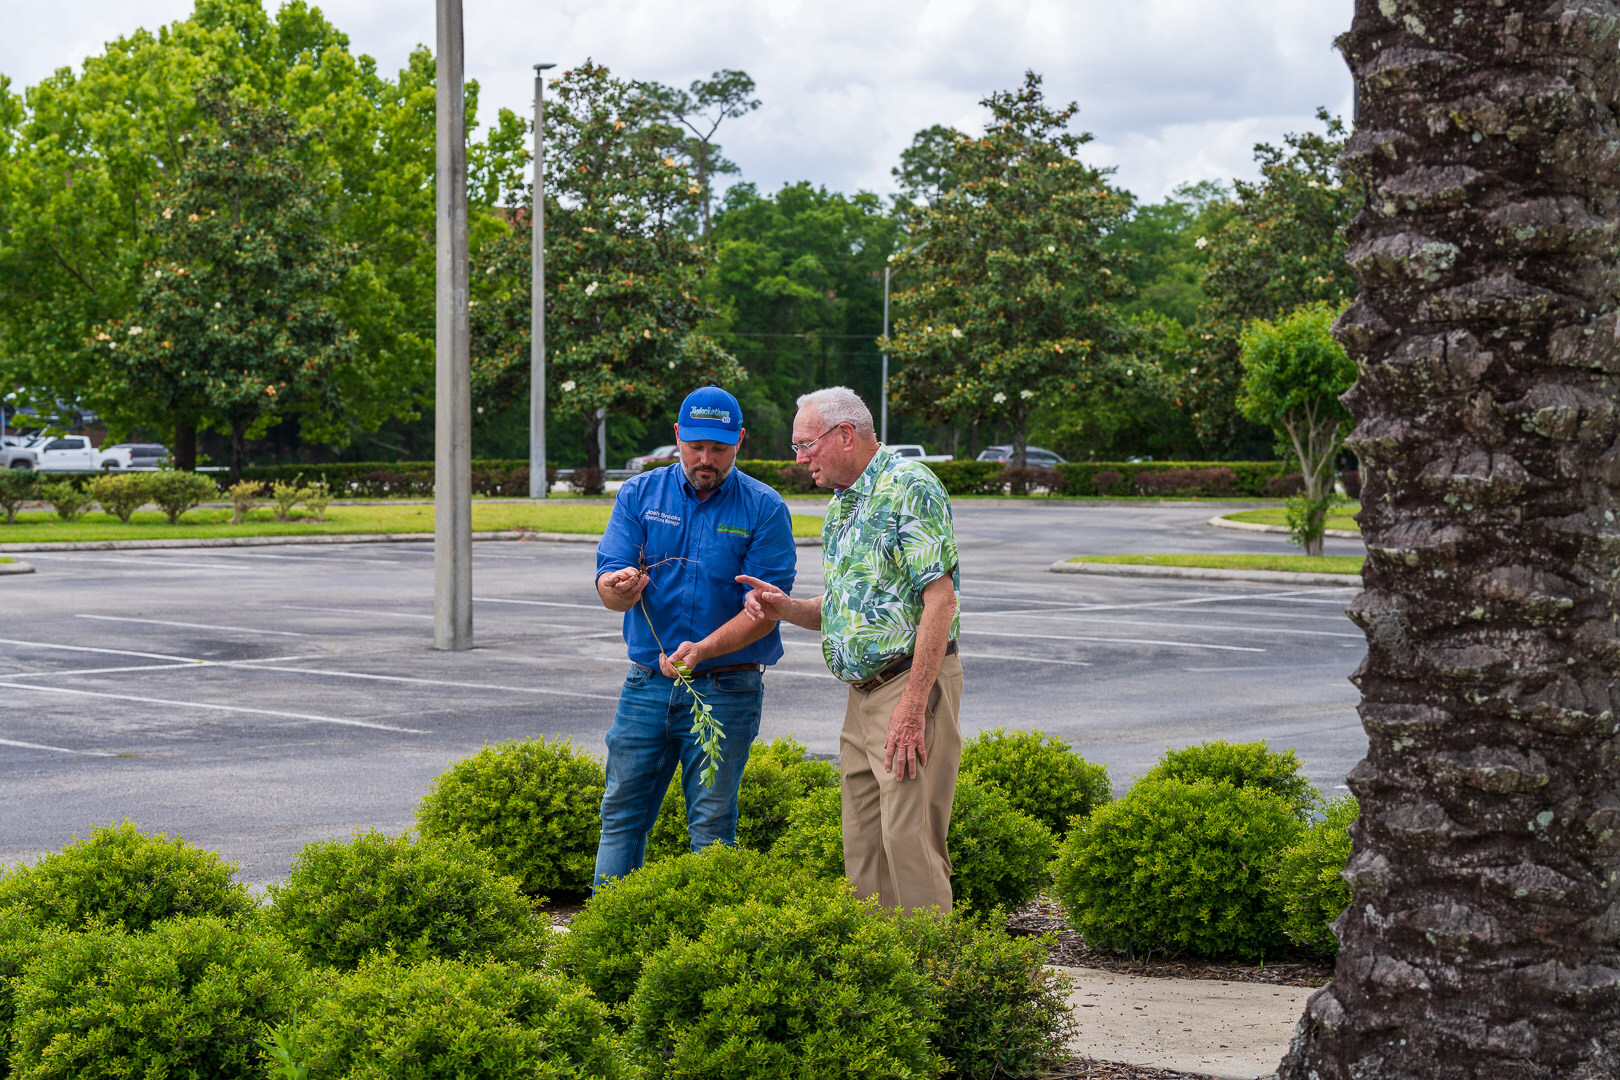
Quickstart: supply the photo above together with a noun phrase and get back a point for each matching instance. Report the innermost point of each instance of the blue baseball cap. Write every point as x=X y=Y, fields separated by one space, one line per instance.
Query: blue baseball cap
x=709 y=414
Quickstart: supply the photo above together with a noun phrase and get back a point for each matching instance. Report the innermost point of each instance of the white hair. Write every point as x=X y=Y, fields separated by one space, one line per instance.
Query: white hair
x=840 y=405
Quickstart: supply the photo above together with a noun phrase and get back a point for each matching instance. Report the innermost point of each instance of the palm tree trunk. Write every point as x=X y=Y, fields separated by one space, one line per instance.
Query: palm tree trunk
x=1481 y=939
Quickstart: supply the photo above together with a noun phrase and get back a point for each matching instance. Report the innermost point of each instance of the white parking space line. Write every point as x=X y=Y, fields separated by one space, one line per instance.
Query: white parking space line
x=1024 y=659
x=193 y=625
x=1116 y=641
x=87 y=648
x=213 y=707
x=543 y=603
x=96 y=670
x=56 y=749
x=1108 y=620
x=328 y=674
x=356 y=611
x=154 y=562
x=304 y=558
x=804 y=674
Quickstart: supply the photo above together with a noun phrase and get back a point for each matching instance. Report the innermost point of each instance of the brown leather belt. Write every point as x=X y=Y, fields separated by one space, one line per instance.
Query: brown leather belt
x=893 y=671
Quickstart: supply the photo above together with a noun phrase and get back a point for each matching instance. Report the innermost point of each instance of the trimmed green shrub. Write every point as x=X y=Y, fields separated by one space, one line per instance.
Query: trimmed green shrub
x=631 y=919
x=433 y=897
x=443 y=1019
x=1250 y=764
x=816 y=987
x=175 y=491
x=1000 y=856
x=120 y=875
x=190 y=998
x=1310 y=876
x=67 y=499
x=17 y=486
x=533 y=804
x=120 y=494
x=20 y=939
x=779 y=773
x=1179 y=865
x=1206 y=478
x=1003 y=1012
x=1041 y=776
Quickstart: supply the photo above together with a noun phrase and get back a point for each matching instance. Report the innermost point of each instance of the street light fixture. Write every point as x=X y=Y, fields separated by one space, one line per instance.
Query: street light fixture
x=538 y=487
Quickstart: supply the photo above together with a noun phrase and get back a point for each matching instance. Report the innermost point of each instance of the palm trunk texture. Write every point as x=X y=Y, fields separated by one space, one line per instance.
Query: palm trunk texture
x=1481 y=938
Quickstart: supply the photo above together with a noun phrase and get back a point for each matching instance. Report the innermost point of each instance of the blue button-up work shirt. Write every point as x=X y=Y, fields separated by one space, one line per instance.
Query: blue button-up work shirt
x=742 y=528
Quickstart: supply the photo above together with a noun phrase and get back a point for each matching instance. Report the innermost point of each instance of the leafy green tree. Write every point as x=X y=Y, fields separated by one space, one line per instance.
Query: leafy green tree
x=234 y=319
x=623 y=281
x=1167 y=263
x=1282 y=248
x=923 y=174
x=702 y=108
x=798 y=283
x=1293 y=374
x=1010 y=302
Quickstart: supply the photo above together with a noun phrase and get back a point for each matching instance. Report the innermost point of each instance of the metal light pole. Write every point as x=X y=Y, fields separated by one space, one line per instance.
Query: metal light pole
x=883 y=435
x=538 y=488
x=452 y=452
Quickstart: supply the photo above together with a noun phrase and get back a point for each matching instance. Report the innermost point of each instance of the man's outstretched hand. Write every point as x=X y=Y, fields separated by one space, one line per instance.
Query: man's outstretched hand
x=764 y=600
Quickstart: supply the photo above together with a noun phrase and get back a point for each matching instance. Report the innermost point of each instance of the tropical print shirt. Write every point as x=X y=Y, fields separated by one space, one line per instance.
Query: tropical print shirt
x=886 y=536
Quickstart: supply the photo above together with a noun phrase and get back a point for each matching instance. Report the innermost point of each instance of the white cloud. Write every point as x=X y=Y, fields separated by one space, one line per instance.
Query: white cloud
x=1174 y=90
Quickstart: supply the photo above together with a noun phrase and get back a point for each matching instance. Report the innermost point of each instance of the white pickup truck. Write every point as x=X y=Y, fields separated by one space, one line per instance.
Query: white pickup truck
x=916 y=452
x=52 y=453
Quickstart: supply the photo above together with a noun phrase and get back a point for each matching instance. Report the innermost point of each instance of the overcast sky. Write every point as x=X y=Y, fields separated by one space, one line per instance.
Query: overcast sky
x=1173 y=90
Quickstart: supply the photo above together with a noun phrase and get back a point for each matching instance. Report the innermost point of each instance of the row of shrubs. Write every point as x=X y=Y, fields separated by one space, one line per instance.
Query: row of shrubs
x=427 y=955
x=118 y=494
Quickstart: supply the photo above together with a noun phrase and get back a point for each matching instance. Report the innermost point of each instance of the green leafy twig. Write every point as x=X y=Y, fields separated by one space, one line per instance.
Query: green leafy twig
x=704 y=725
x=283 y=1044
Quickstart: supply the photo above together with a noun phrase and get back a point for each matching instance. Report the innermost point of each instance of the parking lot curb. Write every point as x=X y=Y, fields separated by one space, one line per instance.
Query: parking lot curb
x=18 y=567
x=1270 y=577
x=317 y=538
x=1222 y=522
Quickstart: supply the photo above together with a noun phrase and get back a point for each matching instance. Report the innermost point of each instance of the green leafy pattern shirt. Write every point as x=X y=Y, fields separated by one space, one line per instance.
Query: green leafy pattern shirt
x=885 y=537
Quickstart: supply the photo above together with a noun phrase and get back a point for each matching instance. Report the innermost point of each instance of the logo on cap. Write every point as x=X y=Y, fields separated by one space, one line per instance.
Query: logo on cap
x=705 y=412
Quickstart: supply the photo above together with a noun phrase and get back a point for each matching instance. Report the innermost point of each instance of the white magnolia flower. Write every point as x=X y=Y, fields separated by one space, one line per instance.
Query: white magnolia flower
x=216 y=303
x=1201 y=243
x=1129 y=372
x=672 y=365
x=568 y=386
x=999 y=398
x=1051 y=247
x=1026 y=394
x=591 y=288
x=134 y=331
x=955 y=332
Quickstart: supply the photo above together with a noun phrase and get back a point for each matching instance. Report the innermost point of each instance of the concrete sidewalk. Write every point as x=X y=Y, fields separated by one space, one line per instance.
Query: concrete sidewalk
x=1230 y=1030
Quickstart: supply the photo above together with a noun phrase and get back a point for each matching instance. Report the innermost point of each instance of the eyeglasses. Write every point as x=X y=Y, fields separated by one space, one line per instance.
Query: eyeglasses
x=804 y=447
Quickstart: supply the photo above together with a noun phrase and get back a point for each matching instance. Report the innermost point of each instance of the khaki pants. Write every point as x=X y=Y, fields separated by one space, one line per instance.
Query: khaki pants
x=894 y=830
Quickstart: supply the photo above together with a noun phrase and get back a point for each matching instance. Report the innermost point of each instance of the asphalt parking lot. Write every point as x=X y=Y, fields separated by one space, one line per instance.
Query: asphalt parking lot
x=254 y=699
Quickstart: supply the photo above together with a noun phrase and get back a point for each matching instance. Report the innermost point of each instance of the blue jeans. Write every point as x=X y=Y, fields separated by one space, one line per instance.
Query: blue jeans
x=651 y=734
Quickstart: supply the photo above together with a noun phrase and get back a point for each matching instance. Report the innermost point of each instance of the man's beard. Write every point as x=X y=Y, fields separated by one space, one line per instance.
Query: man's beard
x=705 y=481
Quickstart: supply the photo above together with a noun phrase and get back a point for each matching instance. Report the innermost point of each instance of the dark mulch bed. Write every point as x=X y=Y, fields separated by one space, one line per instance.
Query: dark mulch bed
x=1086 y=1069
x=563 y=914
x=1044 y=917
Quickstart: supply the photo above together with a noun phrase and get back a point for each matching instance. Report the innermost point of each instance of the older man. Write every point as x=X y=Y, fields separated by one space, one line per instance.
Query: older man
x=676 y=541
x=889 y=625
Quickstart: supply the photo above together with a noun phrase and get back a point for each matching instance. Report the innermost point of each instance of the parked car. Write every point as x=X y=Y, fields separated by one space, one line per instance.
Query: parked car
x=661 y=456
x=916 y=452
x=1034 y=456
x=134 y=456
x=47 y=453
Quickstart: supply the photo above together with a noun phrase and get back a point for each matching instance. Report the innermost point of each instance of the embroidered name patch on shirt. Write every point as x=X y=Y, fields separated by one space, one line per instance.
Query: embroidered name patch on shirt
x=662 y=517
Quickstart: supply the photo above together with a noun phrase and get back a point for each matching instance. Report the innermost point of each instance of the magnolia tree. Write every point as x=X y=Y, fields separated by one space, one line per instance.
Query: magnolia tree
x=1009 y=293
x=622 y=277
x=234 y=321
x=1293 y=374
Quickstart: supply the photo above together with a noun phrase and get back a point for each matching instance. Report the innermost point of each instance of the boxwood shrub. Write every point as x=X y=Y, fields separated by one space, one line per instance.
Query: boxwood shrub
x=1310 y=876
x=999 y=855
x=1250 y=764
x=1002 y=1011
x=446 y=1018
x=1040 y=775
x=1179 y=865
x=632 y=918
x=189 y=998
x=778 y=774
x=814 y=987
x=433 y=897
x=20 y=939
x=119 y=874
x=534 y=805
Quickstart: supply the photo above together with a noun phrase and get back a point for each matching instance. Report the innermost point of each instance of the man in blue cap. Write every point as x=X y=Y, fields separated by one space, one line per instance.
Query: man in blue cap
x=677 y=540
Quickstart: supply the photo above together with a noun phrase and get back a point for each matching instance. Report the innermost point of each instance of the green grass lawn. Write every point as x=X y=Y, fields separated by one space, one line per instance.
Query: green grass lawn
x=1304 y=564
x=207 y=523
x=1339 y=519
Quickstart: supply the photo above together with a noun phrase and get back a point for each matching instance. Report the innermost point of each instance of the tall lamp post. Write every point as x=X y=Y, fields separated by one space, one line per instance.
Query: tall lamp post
x=538 y=487
x=452 y=450
x=883 y=424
